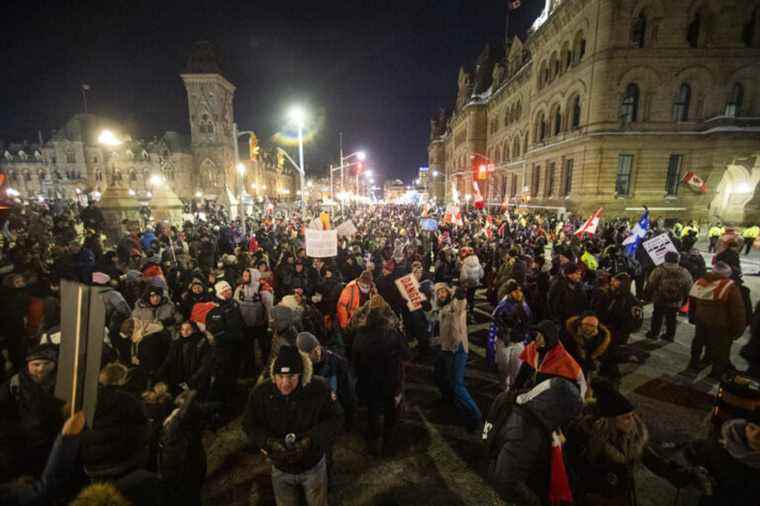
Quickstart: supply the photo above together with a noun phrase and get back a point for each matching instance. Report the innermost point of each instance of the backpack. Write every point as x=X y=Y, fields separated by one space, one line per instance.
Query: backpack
x=671 y=287
x=498 y=415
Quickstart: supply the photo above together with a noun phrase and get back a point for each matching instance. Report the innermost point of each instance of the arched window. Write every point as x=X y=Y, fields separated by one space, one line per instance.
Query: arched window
x=567 y=56
x=555 y=66
x=505 y=152
x=579 y=47
x=507 y=114
x=735 y=101
x=693 y=32
x=629 y=108
x=639 y=30
x=681 y=104
x=540 y=128
x=575 y=120
x=749 y=33
x=557 y=121
x=516 y=148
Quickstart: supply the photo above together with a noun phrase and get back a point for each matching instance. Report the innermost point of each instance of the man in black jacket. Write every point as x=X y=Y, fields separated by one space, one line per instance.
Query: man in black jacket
x=293 y=418
x=566 y=295
x=225 y=324
x=31 y=415
x=522 y=469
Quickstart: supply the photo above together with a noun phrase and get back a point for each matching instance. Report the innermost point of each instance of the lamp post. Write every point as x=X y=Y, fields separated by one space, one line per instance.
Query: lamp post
x=298 y=115
x=360 y=156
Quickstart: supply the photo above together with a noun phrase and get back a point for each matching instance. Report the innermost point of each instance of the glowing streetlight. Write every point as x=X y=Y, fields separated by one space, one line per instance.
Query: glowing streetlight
x=241 y=169
x=361 y=155
x=297 y=114
x=198 y=194
x=156 y=180
x=108 y=138
x=436 y=173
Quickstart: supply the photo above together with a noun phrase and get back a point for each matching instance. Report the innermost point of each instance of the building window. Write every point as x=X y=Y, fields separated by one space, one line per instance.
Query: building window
x=623 y=179
x=513 y=186
x=692 y=34
x=557 y=121
x=681 y=105
x=536 y=180
x=630 y=106
x=735 y=101
x=540 y=128
x=579 y=48
x=639 y=30
x=71 y=157
x=551 y=176
x=568 y=177
x=748 y=33
x=674 y=174
x=576 y=117
x=516 y=148
x=94 y=159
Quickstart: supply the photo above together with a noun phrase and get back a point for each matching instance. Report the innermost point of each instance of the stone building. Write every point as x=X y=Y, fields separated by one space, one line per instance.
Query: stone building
x=76 y=160
x=609 y=103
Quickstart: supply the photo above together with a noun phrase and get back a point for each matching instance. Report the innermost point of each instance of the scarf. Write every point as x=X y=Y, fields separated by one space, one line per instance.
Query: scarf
x=735 y=442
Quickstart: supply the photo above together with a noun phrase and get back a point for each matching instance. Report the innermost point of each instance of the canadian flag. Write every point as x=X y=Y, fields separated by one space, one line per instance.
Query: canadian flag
x=479 y=202
x=695 y=182
x=590 y=226
x=453 y=215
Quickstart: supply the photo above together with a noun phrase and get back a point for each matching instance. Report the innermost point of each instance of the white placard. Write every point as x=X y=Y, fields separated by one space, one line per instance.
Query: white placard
x=409 y=288
x=321 y=243
x=346 y=229
x=657 y=247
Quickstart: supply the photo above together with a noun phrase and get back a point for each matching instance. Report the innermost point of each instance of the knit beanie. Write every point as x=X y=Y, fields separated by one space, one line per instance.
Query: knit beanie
x=288 y=361
x=44 y=351
x=610 y=402
x=221 y=287
x=306 y=342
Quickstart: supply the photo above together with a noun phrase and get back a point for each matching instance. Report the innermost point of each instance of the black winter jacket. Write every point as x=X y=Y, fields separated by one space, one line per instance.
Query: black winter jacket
x=225 y=322
x=521 y=471
x=189 y=361
x=311 y=410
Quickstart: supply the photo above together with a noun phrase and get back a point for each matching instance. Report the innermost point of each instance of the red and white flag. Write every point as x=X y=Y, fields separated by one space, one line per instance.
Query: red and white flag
x=479 y=202
x=590 y=226
x=695 y=182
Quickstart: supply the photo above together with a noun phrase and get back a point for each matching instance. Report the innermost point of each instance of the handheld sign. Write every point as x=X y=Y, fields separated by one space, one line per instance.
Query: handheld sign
x=657 y=247
x=82 y=332
x=321 y=243
x=409 y=288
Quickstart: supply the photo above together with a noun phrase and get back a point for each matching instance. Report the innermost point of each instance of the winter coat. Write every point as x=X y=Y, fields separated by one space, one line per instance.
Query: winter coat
x=165 y=312
x=225 y=322
x=30 y=421
x=666 y=274
x=119 y=437
x=310 y=410
x=255 y=300
x=511 y=320
x=587 y=349
x=521 y=470
x=189 y=361
x=622 y=313
x=117 y=309
x=471 y=272
x=452 y=324
x=716 y=303
x=378 y=354
x=604 y=466
x=731 y=464
x=349 y=301
x=566 y=300
x=337 y=373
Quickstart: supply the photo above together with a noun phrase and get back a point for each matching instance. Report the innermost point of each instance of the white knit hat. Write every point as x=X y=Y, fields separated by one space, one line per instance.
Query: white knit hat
x=221 y=287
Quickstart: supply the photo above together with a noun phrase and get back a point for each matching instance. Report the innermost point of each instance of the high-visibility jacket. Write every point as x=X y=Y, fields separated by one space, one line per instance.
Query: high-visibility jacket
x=751 y=232
x=348 y=303
x=715 y=231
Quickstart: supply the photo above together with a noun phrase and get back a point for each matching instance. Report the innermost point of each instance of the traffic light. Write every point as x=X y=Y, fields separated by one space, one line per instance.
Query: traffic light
x=253 y=146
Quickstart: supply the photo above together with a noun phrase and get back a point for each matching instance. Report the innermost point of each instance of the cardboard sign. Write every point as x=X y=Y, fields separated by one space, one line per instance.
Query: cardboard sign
x=657 y=247
x=82 y=333
x=321 y=243
x=346 y=229
x=409 y=288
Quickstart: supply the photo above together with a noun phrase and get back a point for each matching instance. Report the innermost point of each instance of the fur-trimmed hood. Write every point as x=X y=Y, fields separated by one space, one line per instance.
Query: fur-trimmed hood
x=606 y=443
x=306 y=375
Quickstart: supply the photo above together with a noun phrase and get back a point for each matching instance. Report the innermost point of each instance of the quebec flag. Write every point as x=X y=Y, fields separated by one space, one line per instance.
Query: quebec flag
x=638 y=233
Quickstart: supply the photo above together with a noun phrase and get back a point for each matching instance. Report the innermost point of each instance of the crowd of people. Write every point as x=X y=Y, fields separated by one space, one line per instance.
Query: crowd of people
x=217 y=318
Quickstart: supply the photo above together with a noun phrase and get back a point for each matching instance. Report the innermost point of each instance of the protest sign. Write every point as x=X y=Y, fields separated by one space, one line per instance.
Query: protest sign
x=409 y=288
x=656 y=247
x=429 y=224
x=321 y=243
x=82 y=332
x=346 y=229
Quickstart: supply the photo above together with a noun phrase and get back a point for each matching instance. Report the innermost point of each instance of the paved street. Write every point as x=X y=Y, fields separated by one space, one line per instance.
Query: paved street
x=439 y=461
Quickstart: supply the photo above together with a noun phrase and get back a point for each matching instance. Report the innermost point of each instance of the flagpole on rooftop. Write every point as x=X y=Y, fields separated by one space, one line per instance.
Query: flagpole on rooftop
x=85 y=87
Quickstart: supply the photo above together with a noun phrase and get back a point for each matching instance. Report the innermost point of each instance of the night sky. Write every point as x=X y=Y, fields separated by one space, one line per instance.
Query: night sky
x=375 y=70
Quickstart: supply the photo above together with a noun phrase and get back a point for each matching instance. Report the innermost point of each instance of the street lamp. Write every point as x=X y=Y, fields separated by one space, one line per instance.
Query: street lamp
x=298 y=116
x=108 y=138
